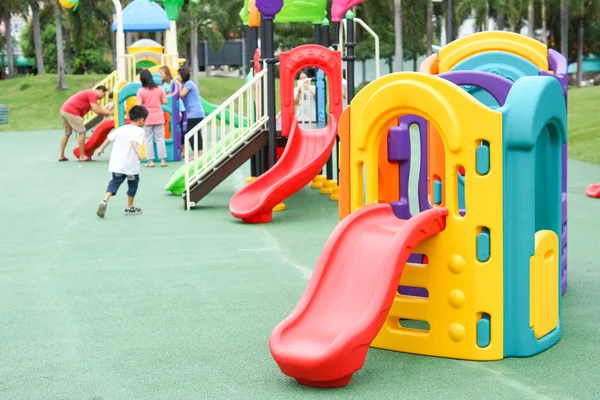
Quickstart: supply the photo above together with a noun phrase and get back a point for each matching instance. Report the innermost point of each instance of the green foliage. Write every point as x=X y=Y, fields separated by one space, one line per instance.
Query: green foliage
x=91 y=61
x=288 y=36
x=379 y=15
x=89 y=54
x=209 y=18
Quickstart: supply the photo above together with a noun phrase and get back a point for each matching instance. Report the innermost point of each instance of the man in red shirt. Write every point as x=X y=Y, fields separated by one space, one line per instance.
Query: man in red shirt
x=72 y=113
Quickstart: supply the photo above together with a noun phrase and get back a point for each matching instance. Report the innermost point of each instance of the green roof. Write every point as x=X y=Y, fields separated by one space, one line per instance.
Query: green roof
x=18 y=60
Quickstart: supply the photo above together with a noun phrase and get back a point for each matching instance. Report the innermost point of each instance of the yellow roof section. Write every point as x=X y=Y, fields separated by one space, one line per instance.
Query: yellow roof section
x=528 y=48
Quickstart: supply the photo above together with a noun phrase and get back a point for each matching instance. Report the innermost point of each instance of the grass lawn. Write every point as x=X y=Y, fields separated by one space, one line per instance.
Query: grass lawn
x=34 y=105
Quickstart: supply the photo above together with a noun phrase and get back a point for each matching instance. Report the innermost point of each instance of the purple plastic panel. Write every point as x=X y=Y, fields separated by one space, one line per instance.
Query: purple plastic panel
x=494 y=84
x=399 y=149
x=269 y=8
x=176 y=134
x=413 y=291
x=558 y=64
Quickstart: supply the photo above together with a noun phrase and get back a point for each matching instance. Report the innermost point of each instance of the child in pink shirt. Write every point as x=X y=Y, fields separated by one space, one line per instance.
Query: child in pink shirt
x=153 y=97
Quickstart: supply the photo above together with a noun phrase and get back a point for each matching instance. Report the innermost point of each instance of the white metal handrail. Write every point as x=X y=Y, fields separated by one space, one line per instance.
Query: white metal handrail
x=217 y=146
x=371 y=32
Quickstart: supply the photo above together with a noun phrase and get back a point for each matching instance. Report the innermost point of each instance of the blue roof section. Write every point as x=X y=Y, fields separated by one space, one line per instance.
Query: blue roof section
x=144 y=16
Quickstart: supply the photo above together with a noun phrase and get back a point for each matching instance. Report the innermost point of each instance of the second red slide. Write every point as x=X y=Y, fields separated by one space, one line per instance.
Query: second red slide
x=304 y=156
x=97 y=138
x=326 y=337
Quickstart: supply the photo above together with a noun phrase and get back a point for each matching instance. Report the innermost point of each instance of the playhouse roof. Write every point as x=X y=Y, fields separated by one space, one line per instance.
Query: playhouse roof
x=144 y=16
x=145 y=43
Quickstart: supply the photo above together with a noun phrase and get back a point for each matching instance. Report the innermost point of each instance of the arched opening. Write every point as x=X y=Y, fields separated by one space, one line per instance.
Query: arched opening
x=292 y=62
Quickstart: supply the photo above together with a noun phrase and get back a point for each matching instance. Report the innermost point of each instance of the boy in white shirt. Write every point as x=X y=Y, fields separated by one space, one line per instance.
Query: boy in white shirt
x=125 y=159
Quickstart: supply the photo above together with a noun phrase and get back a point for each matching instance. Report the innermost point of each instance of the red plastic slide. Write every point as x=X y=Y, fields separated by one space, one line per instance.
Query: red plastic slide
x=304 y=156
x=347 y=300
x=97 y=138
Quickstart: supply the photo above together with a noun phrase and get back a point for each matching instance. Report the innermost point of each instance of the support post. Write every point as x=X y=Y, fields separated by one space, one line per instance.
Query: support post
x=270 y=60
x=325 y=42
x=350 y=55
x=251 y=46
x=268 y=9
x=449 y=15
x=120 y=36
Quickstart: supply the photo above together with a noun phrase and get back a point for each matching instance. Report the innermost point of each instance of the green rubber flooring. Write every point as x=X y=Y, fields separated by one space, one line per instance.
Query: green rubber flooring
x=180 y=305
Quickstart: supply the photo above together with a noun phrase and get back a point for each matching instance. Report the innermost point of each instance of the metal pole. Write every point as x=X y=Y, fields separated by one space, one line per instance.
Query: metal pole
x=325 y=42
x=334 y=45
x=262 y=154
x=251 y=46
x=206 y=70
x=350 y=57
x=270 y=60
x=121 y=69
x=449 y=15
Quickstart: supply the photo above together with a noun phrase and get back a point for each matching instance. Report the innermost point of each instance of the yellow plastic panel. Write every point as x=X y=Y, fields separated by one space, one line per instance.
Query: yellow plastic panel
x=465 y=47
x=459 y=286
x=116 y=89
x=543 y=284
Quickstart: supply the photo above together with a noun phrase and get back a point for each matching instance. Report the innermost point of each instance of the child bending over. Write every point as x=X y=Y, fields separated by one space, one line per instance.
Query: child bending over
x=125 y=159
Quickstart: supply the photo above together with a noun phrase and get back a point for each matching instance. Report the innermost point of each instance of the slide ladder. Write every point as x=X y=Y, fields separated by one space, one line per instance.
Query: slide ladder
x=225 y=148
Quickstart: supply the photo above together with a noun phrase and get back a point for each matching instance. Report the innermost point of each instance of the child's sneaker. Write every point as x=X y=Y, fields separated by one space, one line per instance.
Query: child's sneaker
x=101 y=209
x=133 y=211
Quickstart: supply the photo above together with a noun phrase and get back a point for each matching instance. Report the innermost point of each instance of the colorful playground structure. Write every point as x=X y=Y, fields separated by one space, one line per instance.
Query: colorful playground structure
x=418 y=284
x=284 y=151
x=145 y=16
x=479 y=272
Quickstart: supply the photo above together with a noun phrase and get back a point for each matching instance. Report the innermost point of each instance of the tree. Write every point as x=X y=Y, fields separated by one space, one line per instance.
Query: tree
x=429 y=26
x=564 y=28
x=201 y=21
x=10 y=7
x=37 y=36
x=399 y=53
x=60 y=57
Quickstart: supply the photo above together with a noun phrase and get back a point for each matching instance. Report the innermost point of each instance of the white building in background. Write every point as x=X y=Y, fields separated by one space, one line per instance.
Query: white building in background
x=17 y=26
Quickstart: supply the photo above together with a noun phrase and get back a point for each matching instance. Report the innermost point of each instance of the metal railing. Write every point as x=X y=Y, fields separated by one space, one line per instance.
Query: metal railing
x=371 y=32
x=219 y=139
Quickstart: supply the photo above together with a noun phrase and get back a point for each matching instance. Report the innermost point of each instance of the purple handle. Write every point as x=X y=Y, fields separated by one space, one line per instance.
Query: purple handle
x=269 y=8
x=494 y=84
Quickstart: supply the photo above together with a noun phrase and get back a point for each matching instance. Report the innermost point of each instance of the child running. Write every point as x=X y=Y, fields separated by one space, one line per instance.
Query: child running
x=125 y=159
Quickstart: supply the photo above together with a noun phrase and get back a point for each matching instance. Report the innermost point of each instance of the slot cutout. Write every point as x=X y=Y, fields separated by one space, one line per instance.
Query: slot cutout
x=484 y=329
x=460 y=201
x=482 y=158
x=416 y=325
x=415 y=152
x=437 y=191
x=413 y=291
x=483 y=244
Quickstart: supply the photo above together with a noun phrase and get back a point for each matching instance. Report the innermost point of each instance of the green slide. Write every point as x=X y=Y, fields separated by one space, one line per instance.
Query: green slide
x=210 y=107
x=176 y=184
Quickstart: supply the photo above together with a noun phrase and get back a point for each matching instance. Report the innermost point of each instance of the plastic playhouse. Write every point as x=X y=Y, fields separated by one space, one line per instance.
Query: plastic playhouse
x=478 y=272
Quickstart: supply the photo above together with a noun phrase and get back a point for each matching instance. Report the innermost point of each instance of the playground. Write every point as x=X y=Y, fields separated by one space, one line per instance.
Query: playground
x=122 y=308
x=426 y=235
